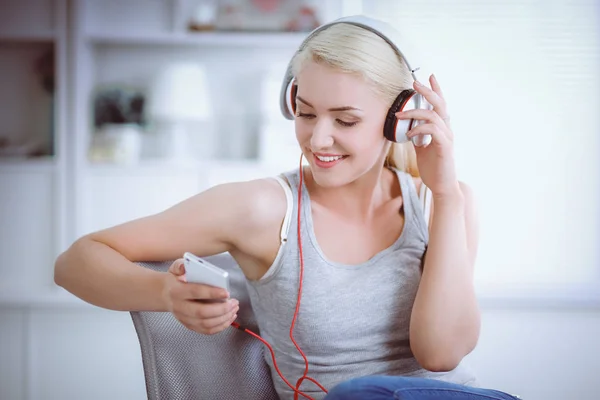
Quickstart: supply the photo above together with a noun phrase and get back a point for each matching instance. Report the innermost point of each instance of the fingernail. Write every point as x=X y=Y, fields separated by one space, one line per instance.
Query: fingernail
x=418 y=83
x=181 y=278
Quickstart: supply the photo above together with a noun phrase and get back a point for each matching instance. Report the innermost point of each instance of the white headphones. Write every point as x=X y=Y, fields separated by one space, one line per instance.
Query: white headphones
x=394 y=129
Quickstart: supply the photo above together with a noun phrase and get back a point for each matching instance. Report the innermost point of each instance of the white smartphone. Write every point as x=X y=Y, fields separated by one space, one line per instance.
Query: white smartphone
x=198 y=270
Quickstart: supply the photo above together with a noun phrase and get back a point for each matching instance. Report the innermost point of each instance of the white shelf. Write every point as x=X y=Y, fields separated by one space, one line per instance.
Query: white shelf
x=151 y=166
x=41 y=164
x=39 y=36
x=214 y=39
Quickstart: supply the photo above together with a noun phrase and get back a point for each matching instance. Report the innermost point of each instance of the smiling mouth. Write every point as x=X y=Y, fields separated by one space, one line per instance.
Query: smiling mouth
x=328 y=161
x=329 y=158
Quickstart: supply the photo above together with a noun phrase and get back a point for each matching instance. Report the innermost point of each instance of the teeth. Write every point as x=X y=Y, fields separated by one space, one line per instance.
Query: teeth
x=329 y=159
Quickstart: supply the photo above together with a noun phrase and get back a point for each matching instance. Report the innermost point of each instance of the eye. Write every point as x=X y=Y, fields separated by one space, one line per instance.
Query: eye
x=346 y=124
x=302 y=115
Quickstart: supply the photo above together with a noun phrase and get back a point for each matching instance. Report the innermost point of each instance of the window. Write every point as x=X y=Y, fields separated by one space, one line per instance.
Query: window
x=521 y=79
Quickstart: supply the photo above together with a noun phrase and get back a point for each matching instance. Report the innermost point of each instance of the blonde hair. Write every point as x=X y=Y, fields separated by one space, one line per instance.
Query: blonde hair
x=355 y=50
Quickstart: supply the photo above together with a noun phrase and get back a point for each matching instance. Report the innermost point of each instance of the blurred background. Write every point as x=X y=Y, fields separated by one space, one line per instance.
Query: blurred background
x=111 y=110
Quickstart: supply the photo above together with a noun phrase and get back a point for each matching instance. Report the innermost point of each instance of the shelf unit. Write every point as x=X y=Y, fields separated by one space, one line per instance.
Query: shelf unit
x=33 y=199
x=53 y=200
x=26 y=37
x=105 y=54
x=209 y=39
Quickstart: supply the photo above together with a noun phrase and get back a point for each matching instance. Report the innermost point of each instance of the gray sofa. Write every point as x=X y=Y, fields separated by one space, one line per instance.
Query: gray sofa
x=182 y=364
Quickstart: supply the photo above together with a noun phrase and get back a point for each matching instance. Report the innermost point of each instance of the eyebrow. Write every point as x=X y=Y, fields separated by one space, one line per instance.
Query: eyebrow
x=344 y=108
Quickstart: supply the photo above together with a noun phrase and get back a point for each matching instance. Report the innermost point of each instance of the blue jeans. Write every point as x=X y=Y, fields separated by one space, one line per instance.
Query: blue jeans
x=403 y=388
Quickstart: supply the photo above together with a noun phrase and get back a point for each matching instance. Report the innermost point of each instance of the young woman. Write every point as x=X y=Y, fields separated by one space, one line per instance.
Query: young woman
x=387 y=305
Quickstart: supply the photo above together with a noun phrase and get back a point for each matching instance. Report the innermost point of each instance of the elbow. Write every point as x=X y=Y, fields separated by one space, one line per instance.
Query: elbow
x=58 y=276
x=61 y=269
x=443 y=357
x=64 y=264
x=439 y=362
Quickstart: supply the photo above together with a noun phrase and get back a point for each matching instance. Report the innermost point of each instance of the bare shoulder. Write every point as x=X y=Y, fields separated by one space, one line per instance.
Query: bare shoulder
x=222 y=218
x=254 y=208
x=261 y=203
x=256 y=242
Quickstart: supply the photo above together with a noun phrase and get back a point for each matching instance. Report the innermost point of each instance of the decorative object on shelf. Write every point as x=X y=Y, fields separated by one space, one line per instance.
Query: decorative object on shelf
x=266 y=15
x=118 y=123
x=305 y=20
x=21 y=149
x=178 y=104
x=117 y=144
x=118 y=105
x=203 y=17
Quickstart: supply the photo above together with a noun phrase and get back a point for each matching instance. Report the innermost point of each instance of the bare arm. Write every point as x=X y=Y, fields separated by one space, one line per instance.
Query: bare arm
x=99 y=267
x=445 y=320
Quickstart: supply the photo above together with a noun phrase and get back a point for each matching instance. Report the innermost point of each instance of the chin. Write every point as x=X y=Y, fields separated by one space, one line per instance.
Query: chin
x=336 y=176
x=329 y=180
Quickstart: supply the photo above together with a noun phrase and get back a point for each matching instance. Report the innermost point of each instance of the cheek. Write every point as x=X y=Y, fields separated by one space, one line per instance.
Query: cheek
x=369 y=137
x=302 y=131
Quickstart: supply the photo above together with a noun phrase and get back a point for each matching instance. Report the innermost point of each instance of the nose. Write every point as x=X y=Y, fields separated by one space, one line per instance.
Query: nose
x=322 y=135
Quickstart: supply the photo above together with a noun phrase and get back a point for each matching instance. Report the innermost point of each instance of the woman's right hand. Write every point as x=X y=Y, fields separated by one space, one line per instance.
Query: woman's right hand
x=202 y=308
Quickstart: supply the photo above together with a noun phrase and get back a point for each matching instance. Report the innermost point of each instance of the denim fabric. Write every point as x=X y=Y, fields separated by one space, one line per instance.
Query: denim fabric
x=403 y=388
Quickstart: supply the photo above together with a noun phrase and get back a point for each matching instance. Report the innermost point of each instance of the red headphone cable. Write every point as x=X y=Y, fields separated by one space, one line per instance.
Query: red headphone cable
x=248 y=331
x=305 y=376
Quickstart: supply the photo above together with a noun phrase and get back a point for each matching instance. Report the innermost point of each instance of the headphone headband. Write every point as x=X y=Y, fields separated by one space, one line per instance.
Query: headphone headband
x=380 y=28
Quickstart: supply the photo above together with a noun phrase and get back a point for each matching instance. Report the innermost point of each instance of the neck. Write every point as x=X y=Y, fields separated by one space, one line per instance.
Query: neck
x=359 y=199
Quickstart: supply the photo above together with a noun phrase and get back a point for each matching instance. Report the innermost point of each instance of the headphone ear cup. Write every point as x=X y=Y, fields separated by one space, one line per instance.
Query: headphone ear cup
x=396 y=129
x=290 y=97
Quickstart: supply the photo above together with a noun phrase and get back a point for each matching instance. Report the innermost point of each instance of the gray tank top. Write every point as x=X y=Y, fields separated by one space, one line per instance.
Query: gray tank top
x=353 y=319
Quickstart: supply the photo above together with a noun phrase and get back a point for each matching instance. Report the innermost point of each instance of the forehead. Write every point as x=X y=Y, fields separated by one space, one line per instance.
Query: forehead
x=325 y=86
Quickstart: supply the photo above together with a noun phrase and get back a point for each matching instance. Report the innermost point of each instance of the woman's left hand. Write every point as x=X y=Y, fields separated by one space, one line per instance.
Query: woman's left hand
x=436 y=160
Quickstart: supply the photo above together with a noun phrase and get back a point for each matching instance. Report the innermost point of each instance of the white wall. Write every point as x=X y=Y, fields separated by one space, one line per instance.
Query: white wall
x=540 y=354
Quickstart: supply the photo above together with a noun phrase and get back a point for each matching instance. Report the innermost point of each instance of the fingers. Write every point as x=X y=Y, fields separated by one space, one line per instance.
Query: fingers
x=210 y=326
x=177 y=268
x=201 y=308
x=183 y=291
x=421 y=115
x=433 y=96
x=435 y=131
x=198 y=291
x=208 y=318
x=435 y=85
x=201 y=311
x=219 y=327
